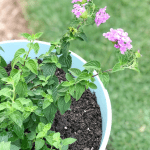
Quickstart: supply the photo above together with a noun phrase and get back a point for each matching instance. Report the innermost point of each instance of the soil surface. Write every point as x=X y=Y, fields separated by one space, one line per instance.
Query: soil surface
x=12 y=22
x=82 y=122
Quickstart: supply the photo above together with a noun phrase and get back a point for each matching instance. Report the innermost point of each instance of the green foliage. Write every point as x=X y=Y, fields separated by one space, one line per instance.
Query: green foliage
x=31 y=96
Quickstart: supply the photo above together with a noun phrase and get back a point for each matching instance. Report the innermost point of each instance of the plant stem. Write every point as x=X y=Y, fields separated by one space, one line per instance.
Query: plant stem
x=80 y=24
x=108 y=70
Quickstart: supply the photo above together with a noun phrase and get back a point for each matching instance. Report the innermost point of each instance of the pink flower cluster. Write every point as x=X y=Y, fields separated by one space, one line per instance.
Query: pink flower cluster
x=101 y=16
x=121 y=38
x=78 y=10
x=75 y=1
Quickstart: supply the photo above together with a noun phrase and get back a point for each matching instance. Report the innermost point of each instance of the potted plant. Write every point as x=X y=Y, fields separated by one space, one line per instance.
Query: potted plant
x=31 y=94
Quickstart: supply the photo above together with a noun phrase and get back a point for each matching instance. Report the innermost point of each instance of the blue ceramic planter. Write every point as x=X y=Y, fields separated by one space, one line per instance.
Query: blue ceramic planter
x=10 y=47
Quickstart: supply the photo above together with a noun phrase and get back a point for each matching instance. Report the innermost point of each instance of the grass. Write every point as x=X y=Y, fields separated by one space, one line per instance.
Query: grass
x=128 y=90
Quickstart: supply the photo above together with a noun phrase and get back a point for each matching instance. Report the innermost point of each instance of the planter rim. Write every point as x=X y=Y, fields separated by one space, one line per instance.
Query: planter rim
x=109 y=110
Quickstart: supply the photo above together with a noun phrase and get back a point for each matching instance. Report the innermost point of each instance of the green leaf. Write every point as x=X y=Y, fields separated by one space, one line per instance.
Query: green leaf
x=40 y=127
x=92 y=85
x=54 y=59
x=17 y=118
x=62 y=105
x=26 y=35
x=5 y=145
x=24 y=101
x=21 y=89
x=79 y=89
x=58 y=65
x=19 y=131
x=16 y=145
x=56 y=136
x=117 y=67
x=36 y=48
x=46 y=103
x=3 y=136
x=65 y=62
x=31 y=135
x=83 y=76
x=52 y=47
x=92 y=65
x=25 y=143
x=38 y=35
x=6 y=92
x=16 y=78
x=83 y=36
x=48 y=69
x=31 y=65
x=50 y=112
x=65 y=83
x=69 y=77
x=68 y=141
x=39 y=143
x=65 y=48
x=104 y=78
x=1 y=49
x=74 y=71
x=67 y=98
x=17 y=55
x=17 y=105
x=47 y=127
x=30 y=77
x=3 y=72
x=2 y=62
x=41 y=134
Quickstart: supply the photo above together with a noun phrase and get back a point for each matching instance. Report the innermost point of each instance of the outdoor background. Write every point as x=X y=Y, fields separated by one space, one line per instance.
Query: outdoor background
x=128 y=90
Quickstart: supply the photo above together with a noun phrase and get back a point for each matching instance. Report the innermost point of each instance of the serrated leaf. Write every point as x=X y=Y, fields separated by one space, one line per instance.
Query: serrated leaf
x=3 y=72
x=104 y=78
x=17 y=105
x=30 y=77
x=65 y=48
x=36 y=48
x=19 y=131
x=49 y=112
x=46 y=103
x=17 y=118
x=39 y=143
x=3 y=136
x=38 y=35
x=67 y=98
x=24 y=101
x=74 y=71
x=6 y=92
x=48 y=69
x=83 y=36
x=21 y=89
x=5 y=145
x=79 y=89
x=65 y=62
x=40 y=127
x=31 y=135
x=92 y=65
x=92 y=85
x=41 y=134
x=2 y=62
x=25 y=35
x=83 y=76
x=117 y=67
x=52 y=47
x=69 y=77
x=62 y=105
x=68 y=141
x=31 y=65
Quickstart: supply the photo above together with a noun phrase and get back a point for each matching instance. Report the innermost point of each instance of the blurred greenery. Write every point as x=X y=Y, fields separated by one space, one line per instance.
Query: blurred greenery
x=128 y=90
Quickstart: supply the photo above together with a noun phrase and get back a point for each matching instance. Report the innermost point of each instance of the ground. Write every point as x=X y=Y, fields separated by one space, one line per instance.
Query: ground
x=12 y=22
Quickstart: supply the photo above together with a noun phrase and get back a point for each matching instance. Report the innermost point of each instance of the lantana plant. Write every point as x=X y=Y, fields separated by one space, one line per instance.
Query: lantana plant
x=31 y=95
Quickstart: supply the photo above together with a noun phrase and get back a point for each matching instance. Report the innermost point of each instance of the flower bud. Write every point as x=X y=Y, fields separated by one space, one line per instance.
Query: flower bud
x=137 y=54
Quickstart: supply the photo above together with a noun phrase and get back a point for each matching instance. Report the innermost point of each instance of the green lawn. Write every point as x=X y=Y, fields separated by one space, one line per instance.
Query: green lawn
x=128 y=90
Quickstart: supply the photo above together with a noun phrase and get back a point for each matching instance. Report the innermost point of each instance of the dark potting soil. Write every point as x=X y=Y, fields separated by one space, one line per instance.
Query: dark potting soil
x=82 y=122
